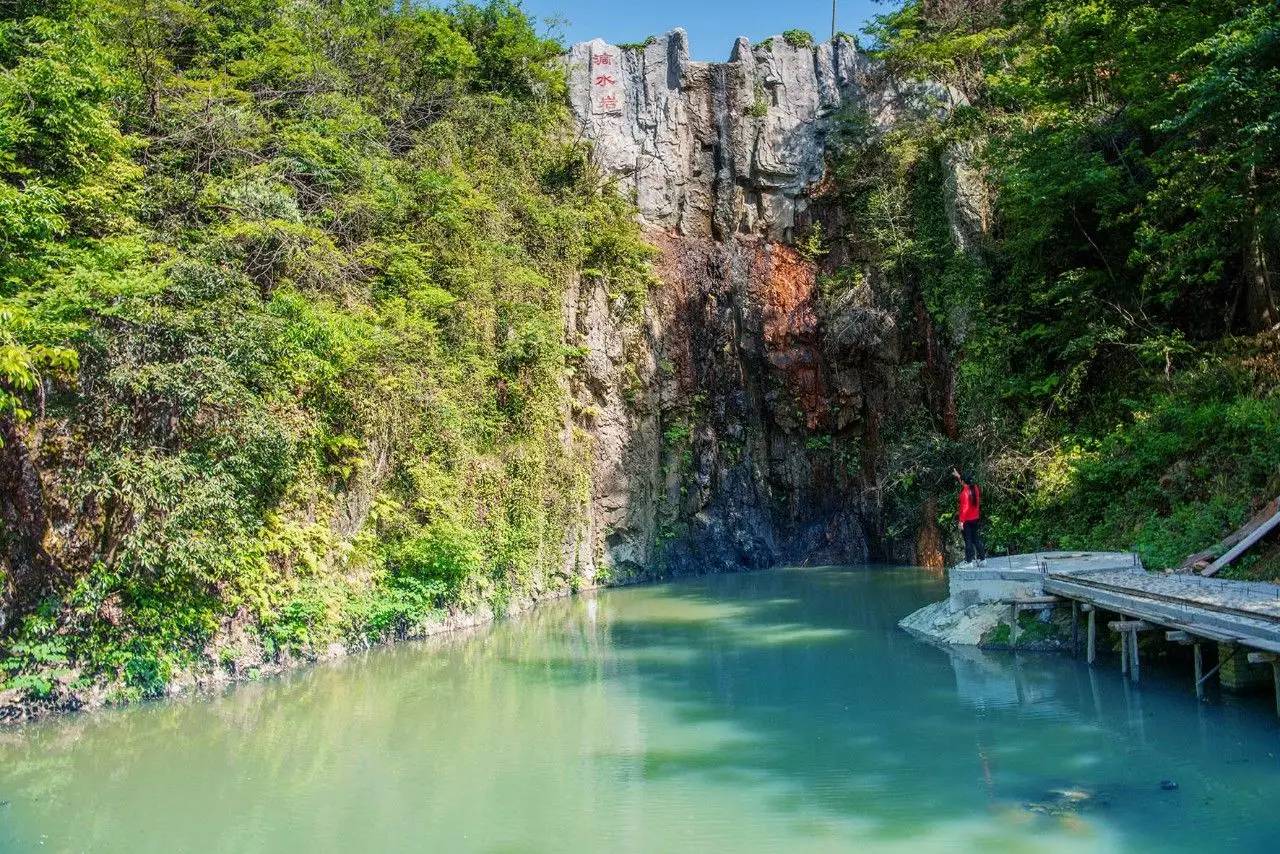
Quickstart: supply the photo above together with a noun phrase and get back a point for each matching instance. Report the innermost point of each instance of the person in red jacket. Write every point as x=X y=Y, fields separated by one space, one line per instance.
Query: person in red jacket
x=970 y=516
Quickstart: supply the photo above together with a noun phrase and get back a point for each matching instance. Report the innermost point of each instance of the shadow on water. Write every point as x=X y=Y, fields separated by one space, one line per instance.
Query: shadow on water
x=797 y=683
x=850 y=715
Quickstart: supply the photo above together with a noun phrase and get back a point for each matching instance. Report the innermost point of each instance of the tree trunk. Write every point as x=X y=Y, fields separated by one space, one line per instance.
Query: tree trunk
x=1260 y=300
x=929 y=552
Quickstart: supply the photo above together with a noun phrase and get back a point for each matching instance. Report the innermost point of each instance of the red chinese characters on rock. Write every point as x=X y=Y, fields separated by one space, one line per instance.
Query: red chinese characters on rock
x=606 y=94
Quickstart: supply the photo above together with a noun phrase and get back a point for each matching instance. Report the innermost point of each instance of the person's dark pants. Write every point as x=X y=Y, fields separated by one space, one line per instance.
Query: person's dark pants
x=973 y=542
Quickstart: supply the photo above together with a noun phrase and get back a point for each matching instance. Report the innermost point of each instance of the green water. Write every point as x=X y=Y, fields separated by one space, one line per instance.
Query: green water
x=774 y=711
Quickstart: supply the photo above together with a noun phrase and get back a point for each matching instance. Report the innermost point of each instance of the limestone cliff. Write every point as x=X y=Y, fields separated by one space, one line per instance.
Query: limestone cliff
x=734 y=148
x=731 y=428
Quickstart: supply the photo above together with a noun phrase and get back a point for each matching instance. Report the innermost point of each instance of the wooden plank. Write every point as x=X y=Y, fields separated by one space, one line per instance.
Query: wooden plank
x=1022 y=601
x=1216 y=667
x=1244 y=545
x=1212 y=625
x=1262 y=657
x=1200 y=560
x=1129 y=626
x=1177 y=636
x=1198 y=633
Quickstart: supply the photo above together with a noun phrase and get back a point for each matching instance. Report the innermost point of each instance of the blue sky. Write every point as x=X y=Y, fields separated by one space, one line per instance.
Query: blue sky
x=712 y=26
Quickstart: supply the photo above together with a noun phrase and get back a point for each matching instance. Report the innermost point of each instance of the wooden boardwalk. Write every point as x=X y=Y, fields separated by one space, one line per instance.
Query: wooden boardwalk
x=1238 y=616
x=1241 y=612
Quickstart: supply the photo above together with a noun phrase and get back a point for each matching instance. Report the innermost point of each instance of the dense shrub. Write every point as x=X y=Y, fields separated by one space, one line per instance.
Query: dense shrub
x=281 y=285
x=1108 y=344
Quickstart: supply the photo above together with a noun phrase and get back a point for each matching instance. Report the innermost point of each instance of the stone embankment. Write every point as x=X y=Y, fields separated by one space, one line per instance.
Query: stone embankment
x=980 y=608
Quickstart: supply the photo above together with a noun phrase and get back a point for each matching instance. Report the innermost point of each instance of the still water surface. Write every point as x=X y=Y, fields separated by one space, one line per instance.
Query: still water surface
x=772 y=711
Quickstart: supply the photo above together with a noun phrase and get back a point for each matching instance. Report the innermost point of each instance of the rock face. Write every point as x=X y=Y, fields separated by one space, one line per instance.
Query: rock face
x=713 y=422
x=734 y=148
x=616 y=406
x=729 y=424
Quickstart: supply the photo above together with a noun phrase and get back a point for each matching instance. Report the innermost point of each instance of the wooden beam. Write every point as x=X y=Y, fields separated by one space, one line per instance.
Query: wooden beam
x=1177 y=637
x=1244 y=545
x=1200 y=560
x=1075 y=628
x=1025 y=601
x=1262 y=657
x=1199 y=672
x=1128 y=630
x=1275 y=682
x=1216 y=667
x=1016 y=605
x=1134 y=668
x=1093 y=637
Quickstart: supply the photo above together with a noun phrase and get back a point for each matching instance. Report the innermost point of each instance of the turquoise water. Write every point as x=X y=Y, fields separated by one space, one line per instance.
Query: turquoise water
x=773 y=711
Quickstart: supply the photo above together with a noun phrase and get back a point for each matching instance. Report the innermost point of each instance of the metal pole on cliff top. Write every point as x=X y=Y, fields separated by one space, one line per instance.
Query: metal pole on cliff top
x=833 y=21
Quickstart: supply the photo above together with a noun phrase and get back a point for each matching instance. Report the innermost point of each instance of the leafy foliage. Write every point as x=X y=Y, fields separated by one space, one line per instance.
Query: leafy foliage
x=281 y=286
x=1111 y=337
x=798 y=38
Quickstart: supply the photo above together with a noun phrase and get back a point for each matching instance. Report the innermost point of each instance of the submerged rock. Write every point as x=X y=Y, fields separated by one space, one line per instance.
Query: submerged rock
x=986 y=625
x=1066 y=802
x=938 y=623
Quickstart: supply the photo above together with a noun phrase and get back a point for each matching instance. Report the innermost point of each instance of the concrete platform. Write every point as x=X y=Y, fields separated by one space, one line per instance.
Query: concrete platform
x=1003 y=579
x=981 y=595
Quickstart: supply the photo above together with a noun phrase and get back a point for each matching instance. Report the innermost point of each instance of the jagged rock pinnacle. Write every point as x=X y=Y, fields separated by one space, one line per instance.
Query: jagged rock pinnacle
x=716 y=149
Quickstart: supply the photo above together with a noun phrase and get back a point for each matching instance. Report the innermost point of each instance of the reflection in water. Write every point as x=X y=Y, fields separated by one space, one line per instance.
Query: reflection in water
x=776 y=710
